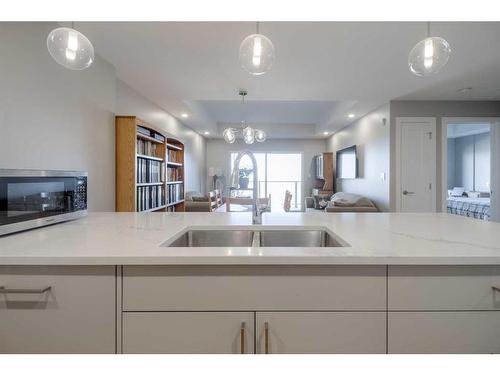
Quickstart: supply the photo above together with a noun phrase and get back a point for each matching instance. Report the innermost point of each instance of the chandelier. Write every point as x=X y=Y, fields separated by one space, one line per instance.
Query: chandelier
x=250 y=135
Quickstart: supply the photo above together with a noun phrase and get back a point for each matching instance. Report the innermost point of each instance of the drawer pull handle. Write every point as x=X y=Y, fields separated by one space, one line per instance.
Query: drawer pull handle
x=242 y=338
x=495 y=289
x=4 y=290
x=266 y=337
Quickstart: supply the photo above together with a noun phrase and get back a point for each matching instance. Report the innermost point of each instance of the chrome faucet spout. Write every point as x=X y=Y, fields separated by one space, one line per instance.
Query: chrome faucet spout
x=256 y=209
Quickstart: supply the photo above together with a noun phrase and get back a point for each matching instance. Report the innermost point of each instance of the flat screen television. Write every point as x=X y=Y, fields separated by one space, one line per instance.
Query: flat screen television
x=347 y=163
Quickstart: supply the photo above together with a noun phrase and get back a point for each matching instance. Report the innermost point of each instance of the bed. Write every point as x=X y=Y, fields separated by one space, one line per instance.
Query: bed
x=478 y=208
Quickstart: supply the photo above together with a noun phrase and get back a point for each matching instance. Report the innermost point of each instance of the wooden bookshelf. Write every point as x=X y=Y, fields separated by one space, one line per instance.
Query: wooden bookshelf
x=175 y=175
x=145 y=157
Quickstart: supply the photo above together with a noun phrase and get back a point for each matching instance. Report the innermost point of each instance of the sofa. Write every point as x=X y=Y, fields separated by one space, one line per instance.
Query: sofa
x=343 y=202
x=196 y=202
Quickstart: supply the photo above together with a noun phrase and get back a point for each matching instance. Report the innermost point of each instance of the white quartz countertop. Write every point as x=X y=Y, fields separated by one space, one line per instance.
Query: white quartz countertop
x=374 y=238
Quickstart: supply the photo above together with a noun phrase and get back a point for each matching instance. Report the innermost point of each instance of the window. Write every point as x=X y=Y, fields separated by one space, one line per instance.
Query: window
x=277 y=172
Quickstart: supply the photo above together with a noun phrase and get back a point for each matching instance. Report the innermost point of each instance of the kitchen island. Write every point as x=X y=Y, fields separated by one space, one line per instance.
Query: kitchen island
x=108 y=283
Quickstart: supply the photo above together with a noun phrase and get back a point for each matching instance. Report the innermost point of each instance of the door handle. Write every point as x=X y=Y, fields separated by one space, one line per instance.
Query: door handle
x=242 y=338
x=4 y=290
x=266 y=338
x=406 y=192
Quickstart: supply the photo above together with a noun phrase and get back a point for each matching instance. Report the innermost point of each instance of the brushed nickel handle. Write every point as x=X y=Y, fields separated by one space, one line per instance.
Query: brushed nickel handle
x=4 y=290
x=406 y=192
x=242 y=338
x=266 y=338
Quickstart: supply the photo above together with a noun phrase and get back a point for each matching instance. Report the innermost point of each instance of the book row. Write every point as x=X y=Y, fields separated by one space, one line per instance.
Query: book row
x=150 y=171
x=149 y=197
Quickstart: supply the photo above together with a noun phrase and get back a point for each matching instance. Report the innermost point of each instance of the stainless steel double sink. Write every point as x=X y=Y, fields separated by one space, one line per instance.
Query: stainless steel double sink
x=289 y=237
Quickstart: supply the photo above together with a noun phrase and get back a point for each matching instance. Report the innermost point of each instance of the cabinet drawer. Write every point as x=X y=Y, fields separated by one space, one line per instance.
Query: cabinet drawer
x=321 y=332
x=443 y=288
x=248 y=288
x=188 y=332
x=76 y=315
x=436 y=332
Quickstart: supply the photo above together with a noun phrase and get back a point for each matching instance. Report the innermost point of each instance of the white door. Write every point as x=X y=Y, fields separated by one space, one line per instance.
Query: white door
x=416 y=143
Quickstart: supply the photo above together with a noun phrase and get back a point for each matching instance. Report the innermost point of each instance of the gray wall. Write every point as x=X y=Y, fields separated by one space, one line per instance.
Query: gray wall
x=371 y=136
x=438 y=109
x=55 y=118
x=464 y=162
x=450 y=149
x=482 y=157
x=219 y=155
x=130 y=102
x=469 y=162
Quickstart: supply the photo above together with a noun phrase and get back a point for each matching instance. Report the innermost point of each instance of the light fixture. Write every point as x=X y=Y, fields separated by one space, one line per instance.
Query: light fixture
x=250 y=135
x=429 y=55
x=325 y=133
x=256 y=53
x=184 y=115
x=70 y=48
x=229 y=135
x=350 y=115
x=206 y=133
x=260 y=135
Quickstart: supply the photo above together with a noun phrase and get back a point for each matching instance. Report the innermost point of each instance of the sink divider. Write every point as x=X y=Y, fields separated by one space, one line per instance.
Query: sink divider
x=256 y=239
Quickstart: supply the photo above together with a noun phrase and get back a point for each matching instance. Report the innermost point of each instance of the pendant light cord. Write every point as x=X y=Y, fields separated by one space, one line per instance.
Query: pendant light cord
x=258 y=24
x=428 y=29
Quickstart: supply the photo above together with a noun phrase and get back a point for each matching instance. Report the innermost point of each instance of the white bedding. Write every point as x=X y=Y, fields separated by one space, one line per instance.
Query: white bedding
x=482 y=201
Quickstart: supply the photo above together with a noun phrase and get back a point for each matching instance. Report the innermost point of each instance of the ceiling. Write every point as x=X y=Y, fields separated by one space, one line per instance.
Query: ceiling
x=323 y=71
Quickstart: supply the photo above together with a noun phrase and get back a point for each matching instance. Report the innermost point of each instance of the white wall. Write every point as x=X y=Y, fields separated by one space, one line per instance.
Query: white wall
x=130 y=102
x=55 y=118
x=371 y=136
x=437 y=109
x=219 y=155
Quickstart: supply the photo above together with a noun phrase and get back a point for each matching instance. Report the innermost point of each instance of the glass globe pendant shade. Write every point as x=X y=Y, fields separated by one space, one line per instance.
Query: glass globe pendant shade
x=260 y=135
x=248 y=135
x=70 y=48
x=229 y=135
x=429 y=56
x=256 y=54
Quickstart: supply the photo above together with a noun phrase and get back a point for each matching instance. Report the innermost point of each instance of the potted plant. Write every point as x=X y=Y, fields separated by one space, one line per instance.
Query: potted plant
x=244 y=177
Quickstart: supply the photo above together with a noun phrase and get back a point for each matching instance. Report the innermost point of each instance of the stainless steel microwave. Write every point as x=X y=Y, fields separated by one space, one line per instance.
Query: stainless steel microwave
x=33 y=198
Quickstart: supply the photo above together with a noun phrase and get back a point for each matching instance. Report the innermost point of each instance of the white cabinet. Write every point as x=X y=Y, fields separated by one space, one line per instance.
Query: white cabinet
x=441 y=332
x=424 y=288
x=57 y=309
x=320 y=332
x=188 y=332
x=251 y=288
x=443 y=309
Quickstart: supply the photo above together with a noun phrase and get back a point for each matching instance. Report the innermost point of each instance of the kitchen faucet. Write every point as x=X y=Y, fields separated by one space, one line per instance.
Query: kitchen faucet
x=257 y=209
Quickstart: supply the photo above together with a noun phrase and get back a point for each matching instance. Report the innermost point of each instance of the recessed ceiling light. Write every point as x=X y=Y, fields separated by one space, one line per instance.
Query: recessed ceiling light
x=350 y=115
x=325 y=133
x=206 y=133
x=185 y=115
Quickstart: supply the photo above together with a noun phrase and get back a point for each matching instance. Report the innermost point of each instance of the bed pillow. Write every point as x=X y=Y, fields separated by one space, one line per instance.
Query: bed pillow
x=457 y=192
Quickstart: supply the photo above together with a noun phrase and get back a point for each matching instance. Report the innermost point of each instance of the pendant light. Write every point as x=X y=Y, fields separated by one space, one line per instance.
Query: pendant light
x=429 y=55
x=256 y=53
x=70 y=48
x=250 y=135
